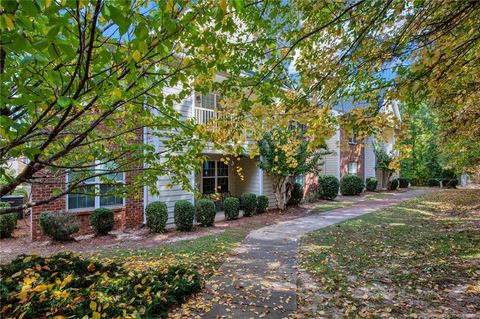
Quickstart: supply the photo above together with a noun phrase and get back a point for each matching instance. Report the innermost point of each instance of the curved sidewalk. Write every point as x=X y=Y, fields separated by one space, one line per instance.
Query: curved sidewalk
x=259 y=281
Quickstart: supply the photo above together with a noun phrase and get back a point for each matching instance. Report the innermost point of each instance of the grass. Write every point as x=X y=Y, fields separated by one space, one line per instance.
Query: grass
x=403 y=261
x=334 y=205
x=377 y=196
x=205 y=254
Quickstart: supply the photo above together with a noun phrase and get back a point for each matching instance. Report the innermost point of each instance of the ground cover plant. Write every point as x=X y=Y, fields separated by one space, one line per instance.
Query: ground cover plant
x=419 y=259
x=67 y=285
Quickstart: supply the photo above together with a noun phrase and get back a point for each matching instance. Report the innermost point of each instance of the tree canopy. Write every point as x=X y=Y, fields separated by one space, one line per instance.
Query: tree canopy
x=73 y=70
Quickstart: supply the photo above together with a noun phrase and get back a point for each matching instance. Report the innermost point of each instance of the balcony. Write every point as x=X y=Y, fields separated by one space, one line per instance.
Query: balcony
x=204 y=115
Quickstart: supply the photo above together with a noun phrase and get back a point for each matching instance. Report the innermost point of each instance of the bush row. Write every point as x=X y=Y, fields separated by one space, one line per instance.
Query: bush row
x=204 y=212
x=69 y=286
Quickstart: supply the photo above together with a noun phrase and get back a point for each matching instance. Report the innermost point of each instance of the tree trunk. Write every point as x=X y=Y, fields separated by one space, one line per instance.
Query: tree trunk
x=279 y=184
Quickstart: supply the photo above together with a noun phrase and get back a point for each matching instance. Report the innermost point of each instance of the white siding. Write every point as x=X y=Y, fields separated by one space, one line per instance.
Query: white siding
x=251 y=181
x=268 y=190
x=369 y=158
x=170 y=195
x=331 y=165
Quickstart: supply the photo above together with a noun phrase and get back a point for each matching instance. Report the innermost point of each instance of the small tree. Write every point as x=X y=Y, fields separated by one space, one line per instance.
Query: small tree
x=285 y=153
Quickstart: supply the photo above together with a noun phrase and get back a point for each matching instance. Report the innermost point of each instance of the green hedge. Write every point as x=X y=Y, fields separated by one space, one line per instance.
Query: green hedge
x=433 y=182
x=351 y=185
x=328 y=186
x=372 y=184
x=205 y=212
x=296 y=195
x=262 y=204
x=183 y=214
x=58 y=225
x=231 y=207
x=8 y=222
x=403 y=182
x=102 y=220
x=157 y=216
x=394 y=184
x=248 y=201
x=70 y=286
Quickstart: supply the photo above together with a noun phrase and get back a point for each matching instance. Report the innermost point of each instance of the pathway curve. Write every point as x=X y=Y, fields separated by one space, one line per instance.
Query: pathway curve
x=259 y=280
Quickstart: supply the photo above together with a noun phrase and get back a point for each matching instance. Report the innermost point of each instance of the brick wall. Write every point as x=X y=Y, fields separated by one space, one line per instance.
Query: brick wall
x=351 y=153
x=129 y=216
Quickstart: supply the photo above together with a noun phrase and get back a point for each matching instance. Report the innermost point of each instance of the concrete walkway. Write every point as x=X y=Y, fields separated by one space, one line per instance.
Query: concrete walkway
x=259 y=281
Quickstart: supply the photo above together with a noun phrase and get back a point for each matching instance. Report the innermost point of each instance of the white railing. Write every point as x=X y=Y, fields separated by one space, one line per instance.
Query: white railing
x=203 y=116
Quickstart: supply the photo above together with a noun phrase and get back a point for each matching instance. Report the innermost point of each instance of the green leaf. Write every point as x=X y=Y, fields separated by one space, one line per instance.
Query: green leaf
x=63 y=101
x=30 y=7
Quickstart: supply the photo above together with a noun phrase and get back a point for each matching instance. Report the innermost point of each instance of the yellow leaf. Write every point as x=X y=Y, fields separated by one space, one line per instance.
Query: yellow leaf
x=117 y=92
x=22 y=294
x=93 y=305
x=223 y=5
x=22 y=315
x=96 y=315
x=8 y=21
x=40 y=288
x=136 y=55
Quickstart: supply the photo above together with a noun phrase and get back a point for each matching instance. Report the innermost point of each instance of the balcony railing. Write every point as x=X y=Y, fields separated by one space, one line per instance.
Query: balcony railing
x=203 y=116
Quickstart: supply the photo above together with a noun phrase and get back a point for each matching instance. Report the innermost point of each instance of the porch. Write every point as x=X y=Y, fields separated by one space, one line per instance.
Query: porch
x=219 y=179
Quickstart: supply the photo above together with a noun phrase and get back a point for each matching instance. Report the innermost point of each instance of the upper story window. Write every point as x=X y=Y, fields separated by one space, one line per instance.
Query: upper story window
x=208 y=101
x=353 y=168
x=97 y=191
x=352 y=139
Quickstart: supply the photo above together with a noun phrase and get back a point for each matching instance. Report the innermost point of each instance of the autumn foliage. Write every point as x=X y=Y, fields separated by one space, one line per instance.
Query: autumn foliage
x=70 y=286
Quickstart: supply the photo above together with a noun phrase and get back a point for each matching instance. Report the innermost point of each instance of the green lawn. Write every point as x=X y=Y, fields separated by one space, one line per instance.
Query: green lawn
x=405 y=261
x=378 y=196
x=329 y=206
x=204 y=254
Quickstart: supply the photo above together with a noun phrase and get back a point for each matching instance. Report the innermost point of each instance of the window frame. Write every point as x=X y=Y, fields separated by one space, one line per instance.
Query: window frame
x=356 y=168
x=97 y=182
x=216 y=177
x=352 y=139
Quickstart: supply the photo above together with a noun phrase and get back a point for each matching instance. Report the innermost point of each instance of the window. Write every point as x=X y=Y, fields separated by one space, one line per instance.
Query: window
x=352 y=139
x=352 y=168
x=207 y=101
x=97 y=191
x=214 y=177
x=300 y=179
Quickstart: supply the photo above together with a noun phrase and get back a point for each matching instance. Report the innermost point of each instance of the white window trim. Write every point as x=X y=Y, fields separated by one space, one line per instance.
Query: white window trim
x=97 y=184
x=216 y=177
x=356 y=168
x=353 y=139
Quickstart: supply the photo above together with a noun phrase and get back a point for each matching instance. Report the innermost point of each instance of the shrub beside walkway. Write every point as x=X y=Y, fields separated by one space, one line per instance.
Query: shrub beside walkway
x=259 y=281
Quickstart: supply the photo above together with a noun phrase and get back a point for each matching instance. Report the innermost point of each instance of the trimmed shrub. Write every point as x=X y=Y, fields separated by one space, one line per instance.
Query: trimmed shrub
x=8 y=222
x=262 y=204
x=58 y=225
x=450 y=183
x=394 y=184
x=102 y=220
x=75 y=287
x=183 y=214
x=296 y=195
x=372 y=184
x=205 y=212
x=248 y=201
x=328 y=186
x=311 y=197
x=351 y=185
x=433 y=182
x=157 y=216
x=403 y=182
x=231 y=207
